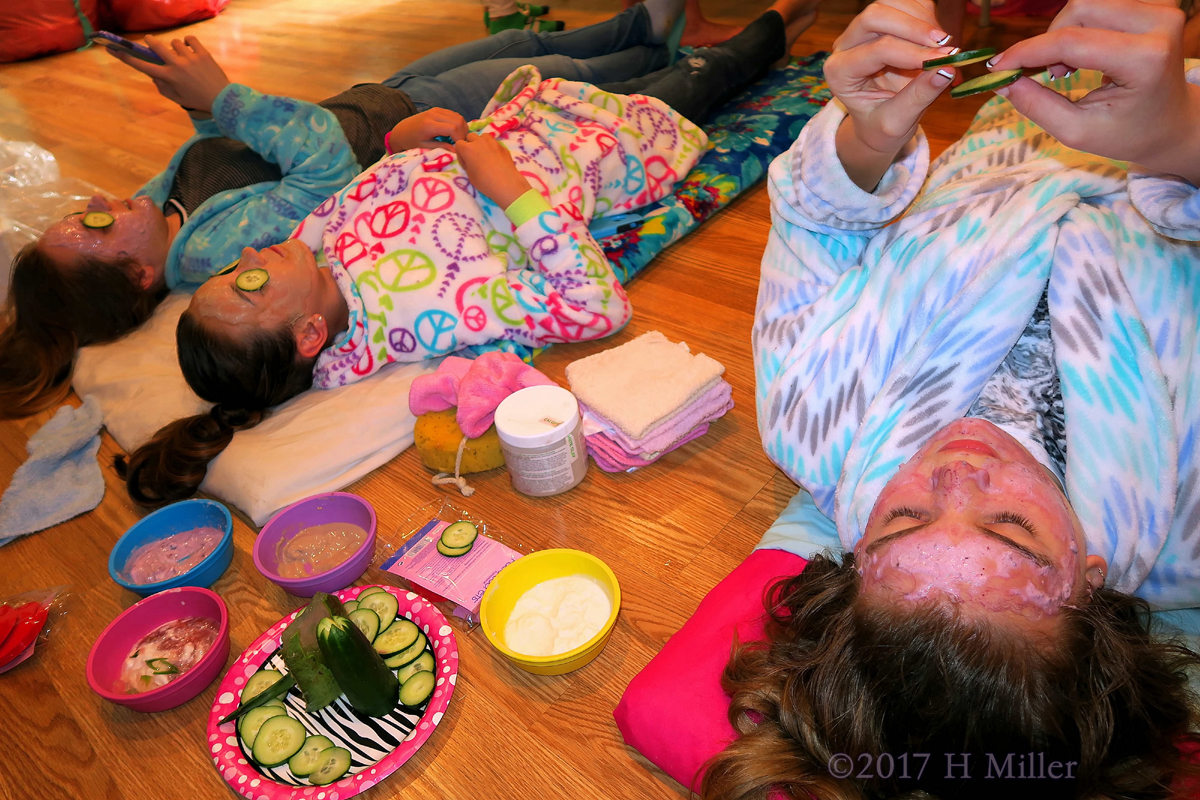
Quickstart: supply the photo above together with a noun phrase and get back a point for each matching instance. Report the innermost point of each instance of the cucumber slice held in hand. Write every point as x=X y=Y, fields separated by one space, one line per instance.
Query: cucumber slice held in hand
x=986 y=83
x=960 y=59
x=97 y=219
x=252 y=280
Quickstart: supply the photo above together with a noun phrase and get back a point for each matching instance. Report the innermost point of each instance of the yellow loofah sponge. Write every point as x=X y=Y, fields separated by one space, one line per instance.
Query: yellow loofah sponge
x=437 y=436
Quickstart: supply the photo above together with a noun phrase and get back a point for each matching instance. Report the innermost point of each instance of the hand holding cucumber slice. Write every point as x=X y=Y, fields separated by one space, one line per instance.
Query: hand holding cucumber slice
x=986 y=83
x=960 y=59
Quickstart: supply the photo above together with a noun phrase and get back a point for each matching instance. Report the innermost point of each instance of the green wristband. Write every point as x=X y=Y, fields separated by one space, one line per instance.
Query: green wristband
x=526 y=207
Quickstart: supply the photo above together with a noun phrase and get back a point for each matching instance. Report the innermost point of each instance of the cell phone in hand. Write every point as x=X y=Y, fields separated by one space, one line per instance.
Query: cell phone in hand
x=114 y=42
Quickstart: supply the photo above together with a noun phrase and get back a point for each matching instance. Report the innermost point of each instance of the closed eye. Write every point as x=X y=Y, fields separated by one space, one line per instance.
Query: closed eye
x=1012 y=518
x=903 y=511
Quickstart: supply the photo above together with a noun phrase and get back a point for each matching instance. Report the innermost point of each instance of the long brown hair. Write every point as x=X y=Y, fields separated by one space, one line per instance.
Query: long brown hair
x=840 y=682
x=52 y=312
x=241 y=379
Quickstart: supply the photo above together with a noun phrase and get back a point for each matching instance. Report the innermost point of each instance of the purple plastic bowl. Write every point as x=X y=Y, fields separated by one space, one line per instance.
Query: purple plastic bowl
x=316 y=510
x=113 y=645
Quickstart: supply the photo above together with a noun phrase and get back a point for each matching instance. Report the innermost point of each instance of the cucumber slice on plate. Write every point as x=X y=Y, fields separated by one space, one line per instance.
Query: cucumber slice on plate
x=97 y=219
x=384 y=604
x=960 y=59
x=986 y=83
x=351 y=606
x=278 y=739
x=460 y=534
x=370 y=590
x=422 y=663
x=249 y=725
x=334 y=763
x=453 y=552
x=258 y=682
x=252 y=280
x=417 y=689
x=408 y=654
x=399 y=635
x=308 y=759
x=272 y=689
x=367 y=622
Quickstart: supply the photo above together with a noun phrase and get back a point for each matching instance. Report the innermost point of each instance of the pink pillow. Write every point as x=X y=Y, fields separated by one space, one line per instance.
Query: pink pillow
x=674 y=711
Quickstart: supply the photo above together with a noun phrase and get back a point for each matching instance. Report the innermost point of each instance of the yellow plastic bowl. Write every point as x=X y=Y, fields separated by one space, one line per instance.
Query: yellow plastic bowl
x=521 y=576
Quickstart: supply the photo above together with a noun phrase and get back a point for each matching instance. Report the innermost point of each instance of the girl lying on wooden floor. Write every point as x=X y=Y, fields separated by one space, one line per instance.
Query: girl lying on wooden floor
x=432 y=250
x=256 y=167
x=984 y=372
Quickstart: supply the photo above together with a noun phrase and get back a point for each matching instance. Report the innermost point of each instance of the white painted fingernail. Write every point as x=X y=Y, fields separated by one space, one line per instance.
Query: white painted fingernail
x=946 y=75
x=991 y=62
x=953 y=51
x=940 y=37
x=1068 y=74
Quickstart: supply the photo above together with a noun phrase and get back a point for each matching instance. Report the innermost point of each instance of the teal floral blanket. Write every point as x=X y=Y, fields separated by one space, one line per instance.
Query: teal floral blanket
x=745 y=136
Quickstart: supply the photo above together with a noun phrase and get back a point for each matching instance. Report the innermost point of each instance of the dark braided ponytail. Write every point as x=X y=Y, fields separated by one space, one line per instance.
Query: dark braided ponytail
x=242 y=379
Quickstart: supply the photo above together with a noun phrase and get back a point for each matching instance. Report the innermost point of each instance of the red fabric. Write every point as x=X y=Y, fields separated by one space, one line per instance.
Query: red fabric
x=151 y=15
x=674 y=711
x=31 y=28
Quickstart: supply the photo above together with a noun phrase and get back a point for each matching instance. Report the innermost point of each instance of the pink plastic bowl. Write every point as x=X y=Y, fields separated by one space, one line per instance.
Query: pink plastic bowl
x=114 y=644
x=317 y=510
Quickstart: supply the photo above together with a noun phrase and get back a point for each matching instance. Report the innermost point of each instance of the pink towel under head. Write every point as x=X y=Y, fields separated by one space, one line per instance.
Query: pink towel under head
x=476 y=387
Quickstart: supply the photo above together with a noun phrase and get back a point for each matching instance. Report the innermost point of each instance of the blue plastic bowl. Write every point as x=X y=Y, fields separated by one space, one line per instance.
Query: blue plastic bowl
x=175 y=518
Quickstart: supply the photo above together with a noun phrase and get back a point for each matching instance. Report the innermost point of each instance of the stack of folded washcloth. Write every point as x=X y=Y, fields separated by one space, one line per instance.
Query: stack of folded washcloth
x=646 y=398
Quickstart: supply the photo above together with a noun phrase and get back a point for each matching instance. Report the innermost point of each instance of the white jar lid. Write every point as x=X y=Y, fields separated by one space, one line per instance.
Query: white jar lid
x=537 y=416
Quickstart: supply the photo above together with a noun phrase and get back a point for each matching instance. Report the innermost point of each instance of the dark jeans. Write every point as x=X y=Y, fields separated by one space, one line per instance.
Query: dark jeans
x=699 y=85
x=464 y=77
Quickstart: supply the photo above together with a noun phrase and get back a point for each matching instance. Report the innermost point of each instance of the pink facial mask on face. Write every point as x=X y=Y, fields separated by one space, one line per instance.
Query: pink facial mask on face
x=972 y=569
x=128 y=240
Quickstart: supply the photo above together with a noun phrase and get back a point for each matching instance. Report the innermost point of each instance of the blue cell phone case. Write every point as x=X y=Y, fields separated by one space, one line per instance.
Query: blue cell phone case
x=139 y=51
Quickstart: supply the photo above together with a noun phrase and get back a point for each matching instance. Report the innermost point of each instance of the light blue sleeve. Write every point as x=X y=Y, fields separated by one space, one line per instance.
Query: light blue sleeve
x=304 y=139
x=802 y=530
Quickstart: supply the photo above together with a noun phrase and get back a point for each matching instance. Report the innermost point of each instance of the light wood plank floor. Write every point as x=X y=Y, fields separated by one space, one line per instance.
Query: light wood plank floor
x=669 y=532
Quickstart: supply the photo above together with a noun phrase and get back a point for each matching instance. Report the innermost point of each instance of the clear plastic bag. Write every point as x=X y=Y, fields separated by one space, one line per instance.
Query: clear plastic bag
x=388 y=553
x=26 y=621
x=33 y=196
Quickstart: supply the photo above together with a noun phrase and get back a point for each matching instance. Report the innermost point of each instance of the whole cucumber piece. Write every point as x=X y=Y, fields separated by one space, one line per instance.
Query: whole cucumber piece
x=369 y=686
x=316 y=681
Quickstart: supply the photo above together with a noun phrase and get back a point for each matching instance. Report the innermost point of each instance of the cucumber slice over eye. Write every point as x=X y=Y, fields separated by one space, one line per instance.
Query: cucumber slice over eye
x=460 y=534
x=334 y=763
x=228 y=269
x=308 y=759
x=98 y=219
x=960 y=59
x=252 y=280
x=986 y=83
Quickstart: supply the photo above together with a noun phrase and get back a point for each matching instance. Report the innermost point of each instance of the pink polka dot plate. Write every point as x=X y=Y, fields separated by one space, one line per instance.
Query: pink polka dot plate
x=378 y=745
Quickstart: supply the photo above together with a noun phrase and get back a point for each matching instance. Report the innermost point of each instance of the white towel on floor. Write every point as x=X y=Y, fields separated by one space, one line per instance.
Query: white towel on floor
x=641 y=383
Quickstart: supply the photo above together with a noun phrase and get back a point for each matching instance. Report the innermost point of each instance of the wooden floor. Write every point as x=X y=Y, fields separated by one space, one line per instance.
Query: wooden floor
x=669 y=532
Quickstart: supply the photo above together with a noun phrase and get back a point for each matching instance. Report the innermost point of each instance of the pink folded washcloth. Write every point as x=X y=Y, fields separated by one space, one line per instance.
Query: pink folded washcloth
x=610 y=457
x=476 y=387
x=709 y=406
